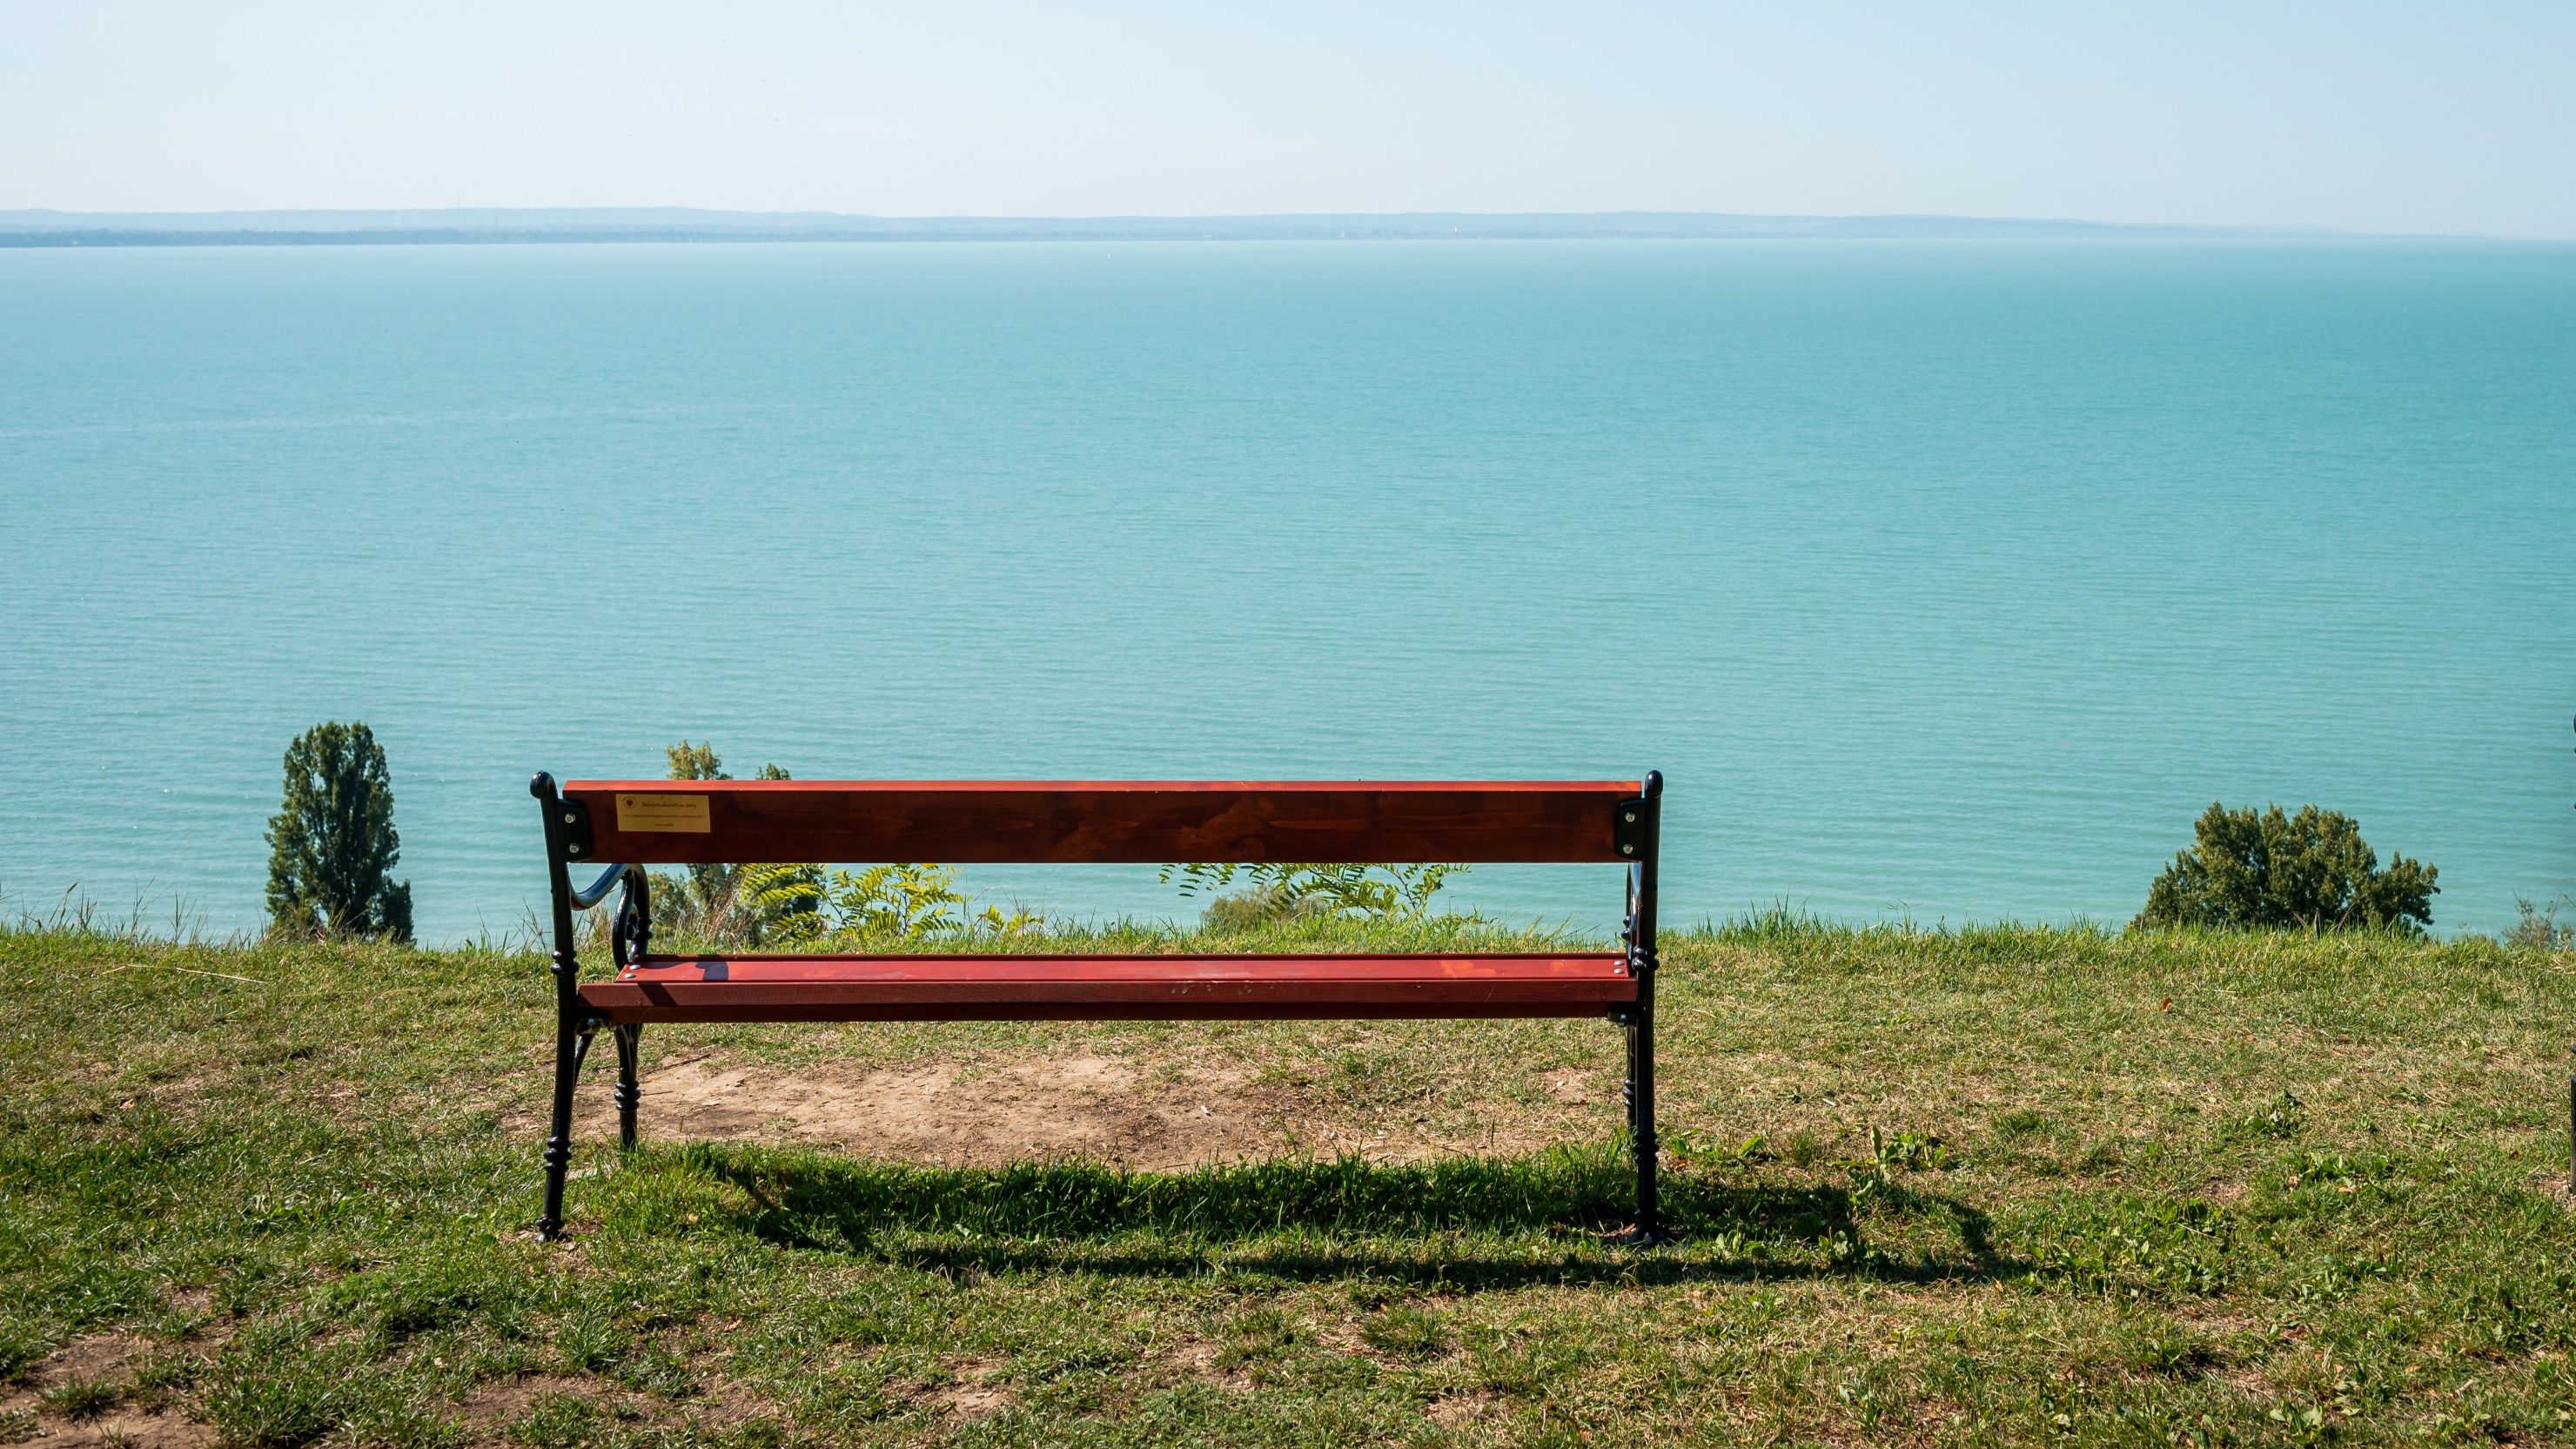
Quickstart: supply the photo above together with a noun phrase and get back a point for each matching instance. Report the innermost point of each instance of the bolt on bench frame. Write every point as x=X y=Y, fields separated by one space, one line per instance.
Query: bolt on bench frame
x=676 y=822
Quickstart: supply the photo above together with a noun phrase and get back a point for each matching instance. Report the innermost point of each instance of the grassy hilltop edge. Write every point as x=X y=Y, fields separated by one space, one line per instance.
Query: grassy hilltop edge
x=2006 y=1185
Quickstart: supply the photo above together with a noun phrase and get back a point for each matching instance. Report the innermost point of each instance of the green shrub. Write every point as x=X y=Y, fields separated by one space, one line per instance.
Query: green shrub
x=2267 y=870
x=332 y=845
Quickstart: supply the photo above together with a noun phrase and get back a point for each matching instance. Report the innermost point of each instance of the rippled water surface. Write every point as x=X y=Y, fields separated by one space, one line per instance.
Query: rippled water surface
x=1948 y=580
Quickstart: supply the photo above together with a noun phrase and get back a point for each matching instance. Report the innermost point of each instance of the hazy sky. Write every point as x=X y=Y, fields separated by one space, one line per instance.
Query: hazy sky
x=2454 y=117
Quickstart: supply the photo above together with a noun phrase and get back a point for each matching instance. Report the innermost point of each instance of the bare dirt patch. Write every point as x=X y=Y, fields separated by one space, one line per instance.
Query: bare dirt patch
x=495 y=1405
x=99 y=1356
x=1076 y=1106
x=502 y=1401
x=971 y=1393
x=1163 y=1116
x=1463 y=1411
x=108 y=1358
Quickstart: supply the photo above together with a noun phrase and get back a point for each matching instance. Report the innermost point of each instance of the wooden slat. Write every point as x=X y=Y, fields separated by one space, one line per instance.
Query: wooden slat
x=1045 y=821
x=1093 y=988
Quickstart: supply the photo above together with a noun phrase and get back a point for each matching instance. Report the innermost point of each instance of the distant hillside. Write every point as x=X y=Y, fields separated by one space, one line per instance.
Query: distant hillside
x=38 y=228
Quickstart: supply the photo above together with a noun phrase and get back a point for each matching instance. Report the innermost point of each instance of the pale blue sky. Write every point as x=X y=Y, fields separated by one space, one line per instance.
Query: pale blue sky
x=2456 y=117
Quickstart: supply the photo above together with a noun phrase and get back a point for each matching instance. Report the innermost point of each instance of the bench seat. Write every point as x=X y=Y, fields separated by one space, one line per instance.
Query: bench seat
x=1090 y=988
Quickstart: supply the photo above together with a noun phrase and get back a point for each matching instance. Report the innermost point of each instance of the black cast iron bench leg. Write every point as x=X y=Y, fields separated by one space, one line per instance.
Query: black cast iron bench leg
x=629 y=1037
x=1640 y=1092
x=573 y=1036
x=1637 y=1097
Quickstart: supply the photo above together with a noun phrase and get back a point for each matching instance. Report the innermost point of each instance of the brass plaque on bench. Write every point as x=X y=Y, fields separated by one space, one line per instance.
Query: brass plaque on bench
x=663 y=814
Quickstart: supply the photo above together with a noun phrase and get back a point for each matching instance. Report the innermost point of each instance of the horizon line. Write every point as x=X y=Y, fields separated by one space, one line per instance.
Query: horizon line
x=54 y=226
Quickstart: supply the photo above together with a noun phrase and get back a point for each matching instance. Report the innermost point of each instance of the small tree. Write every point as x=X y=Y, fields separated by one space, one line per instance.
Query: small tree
x=2272 y=871
x=721 y=902
x=708 y=883
x=695 y=762
x=332 y=846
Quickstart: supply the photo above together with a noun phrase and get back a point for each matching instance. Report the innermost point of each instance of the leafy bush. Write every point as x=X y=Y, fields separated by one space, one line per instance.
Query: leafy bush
x=332 y=846
x=1277 y=890
x=2273 y=871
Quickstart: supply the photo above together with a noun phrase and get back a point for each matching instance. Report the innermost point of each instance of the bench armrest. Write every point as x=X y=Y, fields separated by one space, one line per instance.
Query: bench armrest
x=597 y=891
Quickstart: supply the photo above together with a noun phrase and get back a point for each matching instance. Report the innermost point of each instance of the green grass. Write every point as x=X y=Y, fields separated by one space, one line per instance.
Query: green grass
x=2010 y=1185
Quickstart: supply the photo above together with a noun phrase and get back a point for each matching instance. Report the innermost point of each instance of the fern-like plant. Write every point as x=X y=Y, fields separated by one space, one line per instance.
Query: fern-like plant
x=1283 y=890
x=902 y=904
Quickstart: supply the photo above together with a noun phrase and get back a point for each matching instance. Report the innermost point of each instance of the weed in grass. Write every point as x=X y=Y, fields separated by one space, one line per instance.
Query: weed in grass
x=453 y=1286
x=556 y=1421
x=19 y=1350
x=81 y=1399
x=162 y=1375
x=2500 y=1313
x=17 y=1426
x=656 y=1369
x=1379 y=1078
x=2167 y=1350
x=590 y=1342
x=1865 y=1394
x=279 y=1406
x=2131 y=1247
x=1528 y=1365
x=845 y=1400
x=1256 y=1335
x=2284 y=1116
x=1915 y=1151
x=1406 y=1331
x=247 y=1284
x=1699 y=1150
x=2100 y=1155
x=400 y=1424
x=2021 y=1122
x=751 y=1433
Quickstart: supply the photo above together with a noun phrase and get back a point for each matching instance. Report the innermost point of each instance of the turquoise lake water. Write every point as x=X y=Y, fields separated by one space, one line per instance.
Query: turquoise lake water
x=1942 y=580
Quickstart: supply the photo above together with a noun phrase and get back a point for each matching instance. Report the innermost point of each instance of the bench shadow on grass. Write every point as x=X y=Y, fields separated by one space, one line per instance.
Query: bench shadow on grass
x=1463 y=1223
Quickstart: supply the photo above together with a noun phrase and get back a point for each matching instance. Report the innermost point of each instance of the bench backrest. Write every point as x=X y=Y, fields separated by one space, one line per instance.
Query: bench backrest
x=657 y=822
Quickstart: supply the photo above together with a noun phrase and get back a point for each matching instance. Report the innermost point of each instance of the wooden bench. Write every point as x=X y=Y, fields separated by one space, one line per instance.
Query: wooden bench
x=636 y=823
